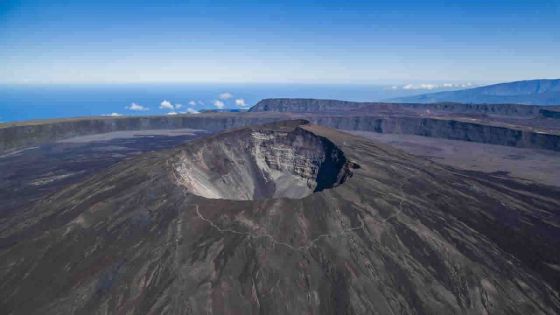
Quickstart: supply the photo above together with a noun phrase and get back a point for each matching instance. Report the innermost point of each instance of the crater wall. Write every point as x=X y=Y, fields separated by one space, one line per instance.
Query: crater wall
x=260 y=163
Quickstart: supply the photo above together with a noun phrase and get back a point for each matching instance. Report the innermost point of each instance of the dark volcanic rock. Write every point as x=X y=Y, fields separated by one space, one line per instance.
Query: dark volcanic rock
x=302 y=105
x=550 y=113
x=402 y=235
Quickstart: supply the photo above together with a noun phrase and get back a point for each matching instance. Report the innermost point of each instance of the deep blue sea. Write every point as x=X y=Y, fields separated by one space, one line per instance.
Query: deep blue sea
x=26 y=102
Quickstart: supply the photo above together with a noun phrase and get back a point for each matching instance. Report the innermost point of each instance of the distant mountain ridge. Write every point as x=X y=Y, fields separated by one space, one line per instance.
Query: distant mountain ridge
x=531 y=92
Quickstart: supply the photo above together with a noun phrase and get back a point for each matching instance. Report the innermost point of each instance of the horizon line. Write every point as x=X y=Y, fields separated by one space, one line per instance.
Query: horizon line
x=378 y=82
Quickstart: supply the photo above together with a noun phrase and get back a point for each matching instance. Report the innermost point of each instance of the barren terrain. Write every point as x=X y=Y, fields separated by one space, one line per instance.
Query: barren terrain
x=402 y=234
x=538 y=166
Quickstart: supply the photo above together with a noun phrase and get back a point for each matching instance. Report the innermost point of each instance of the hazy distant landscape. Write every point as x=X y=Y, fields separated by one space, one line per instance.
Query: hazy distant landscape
x=534 y=92
x=57 y=101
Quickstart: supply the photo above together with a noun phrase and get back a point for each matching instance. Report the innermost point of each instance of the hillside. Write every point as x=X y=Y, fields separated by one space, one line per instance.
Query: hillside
x=375 y=230
x=531 y=92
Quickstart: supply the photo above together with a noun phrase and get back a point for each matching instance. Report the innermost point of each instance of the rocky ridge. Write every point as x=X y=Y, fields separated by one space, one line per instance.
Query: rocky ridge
x=511 y=125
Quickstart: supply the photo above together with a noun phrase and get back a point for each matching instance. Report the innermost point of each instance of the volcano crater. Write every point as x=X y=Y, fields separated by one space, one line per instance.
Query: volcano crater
x=278 y=161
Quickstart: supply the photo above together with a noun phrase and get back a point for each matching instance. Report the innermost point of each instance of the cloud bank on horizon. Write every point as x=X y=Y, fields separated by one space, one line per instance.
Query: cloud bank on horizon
x=172 y=108
x=433 y=86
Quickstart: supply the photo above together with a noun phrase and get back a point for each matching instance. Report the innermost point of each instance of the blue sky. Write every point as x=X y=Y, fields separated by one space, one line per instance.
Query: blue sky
x=54 y=41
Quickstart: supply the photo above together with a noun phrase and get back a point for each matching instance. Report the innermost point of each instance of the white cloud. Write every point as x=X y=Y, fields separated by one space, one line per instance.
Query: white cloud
x=192 y=103
x=177 y=106
x=191 y=111
x=430 y=86
x=422 y=86
x=225 y=96
x=457 y=85
x=240 y=102
x=219 y=104
x=172 y=113
x=113 y=114
x=136 y=107
x=201 y=103
x=165 y=104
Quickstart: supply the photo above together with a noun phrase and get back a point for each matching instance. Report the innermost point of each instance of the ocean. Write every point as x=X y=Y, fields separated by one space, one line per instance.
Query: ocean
x=28 y=102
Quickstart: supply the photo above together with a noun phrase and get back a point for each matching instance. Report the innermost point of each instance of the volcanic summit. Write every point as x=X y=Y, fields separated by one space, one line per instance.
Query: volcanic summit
x=286 y=218
x=275 y=162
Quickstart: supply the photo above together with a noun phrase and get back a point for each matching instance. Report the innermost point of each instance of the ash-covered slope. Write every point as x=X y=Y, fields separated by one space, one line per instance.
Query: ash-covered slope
x=398 y=235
